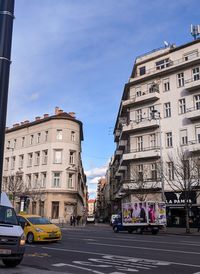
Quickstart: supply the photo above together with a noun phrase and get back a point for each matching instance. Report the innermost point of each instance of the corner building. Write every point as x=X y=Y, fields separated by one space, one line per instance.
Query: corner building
x=159 y=112
x=42 y=160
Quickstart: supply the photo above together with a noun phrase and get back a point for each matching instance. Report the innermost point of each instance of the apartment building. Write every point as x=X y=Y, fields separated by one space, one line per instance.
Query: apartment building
x=103 y=204
x=43 y=171
x=159 y=114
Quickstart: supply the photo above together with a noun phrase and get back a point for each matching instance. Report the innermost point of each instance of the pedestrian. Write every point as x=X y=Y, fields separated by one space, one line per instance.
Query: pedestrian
x=74 y=220
x=71 y=220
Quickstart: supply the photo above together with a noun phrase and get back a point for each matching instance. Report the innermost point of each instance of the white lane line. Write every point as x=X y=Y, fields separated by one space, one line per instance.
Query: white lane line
x=84 y=268
x=59 y=264
x=104 y=254
x=148 y=248
x=137 y=240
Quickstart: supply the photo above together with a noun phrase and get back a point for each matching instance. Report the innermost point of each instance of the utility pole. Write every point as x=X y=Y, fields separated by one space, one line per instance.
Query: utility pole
x=6 y=26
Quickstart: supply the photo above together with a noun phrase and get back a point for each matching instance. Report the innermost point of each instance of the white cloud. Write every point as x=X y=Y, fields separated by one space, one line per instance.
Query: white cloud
x=34 y=96
x=96 y=172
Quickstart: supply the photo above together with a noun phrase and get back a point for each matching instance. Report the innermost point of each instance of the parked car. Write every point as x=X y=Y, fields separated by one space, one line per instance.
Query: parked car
x=101 y=220
x=90 y=219
x=38 y=229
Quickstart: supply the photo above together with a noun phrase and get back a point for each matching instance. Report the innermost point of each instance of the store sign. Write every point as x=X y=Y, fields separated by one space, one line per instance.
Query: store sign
x=179 y=197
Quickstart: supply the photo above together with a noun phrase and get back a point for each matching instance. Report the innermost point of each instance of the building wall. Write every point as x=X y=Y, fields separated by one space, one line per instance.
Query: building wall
x=66 y=192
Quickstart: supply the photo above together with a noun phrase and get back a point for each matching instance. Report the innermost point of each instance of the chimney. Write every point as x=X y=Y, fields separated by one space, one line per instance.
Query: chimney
x=26 y=121
x=56 y=110
x=46 y=115
x=16 y=125
x=22 y=123
x=37 y=118
x=60 y=111
x=72 y=114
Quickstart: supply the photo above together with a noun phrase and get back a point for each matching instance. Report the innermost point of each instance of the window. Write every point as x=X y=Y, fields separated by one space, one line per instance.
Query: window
x=59 y=134
x=142 y=70
x=73 y=139
x=14 y=143
x=152 y=140
x=197 y=101
x=138 y=115
x=30 y=159
x=198 y=134
x=41 y=208
x=57 y=156
x=138 y=91
x=45 y=157
x=153 y=87
x=139 y=143
x=46 y=136
x=43 y=179
x=140 y=172
x=28 y=177
x=153 y=171
x=56 y=179
x=21 y=161
x=55 y=210
x=37 y=158
x=180 y=79
x=151 y=111
x=163 y=64
x=196 y=75
x=186 y=169
x=182 y=106
x=38 y=137
x=167 y=110
x=169 y=139
x=8 y=144
x=6 y=163
x=23 y=141
x=31 y=139
x=170 y=169
x=35 y=180
x=166 y=84
x=184 y=138
x=72 y=157
x=13 y=162
x=70 y=181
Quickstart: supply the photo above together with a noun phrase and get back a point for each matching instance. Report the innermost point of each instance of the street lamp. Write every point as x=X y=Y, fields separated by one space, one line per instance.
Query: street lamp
x=156 y=116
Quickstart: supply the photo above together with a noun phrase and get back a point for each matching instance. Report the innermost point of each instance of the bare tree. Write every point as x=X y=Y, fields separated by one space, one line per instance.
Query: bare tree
x=144 y=179
x=181 y=173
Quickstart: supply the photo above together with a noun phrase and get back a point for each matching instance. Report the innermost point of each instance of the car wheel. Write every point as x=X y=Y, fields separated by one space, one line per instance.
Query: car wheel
x=115 y=229
x=12 y=263
x=30 y=238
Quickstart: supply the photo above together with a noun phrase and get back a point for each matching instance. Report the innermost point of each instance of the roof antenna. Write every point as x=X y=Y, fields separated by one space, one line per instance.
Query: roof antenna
x=195 y=31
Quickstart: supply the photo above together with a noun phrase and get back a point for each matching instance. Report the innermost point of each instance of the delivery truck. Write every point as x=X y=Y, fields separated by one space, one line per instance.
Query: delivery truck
x=12 y=237
x=141 y=216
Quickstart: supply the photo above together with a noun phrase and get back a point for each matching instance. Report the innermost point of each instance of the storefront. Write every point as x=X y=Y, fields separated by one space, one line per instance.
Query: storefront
x=175 y=205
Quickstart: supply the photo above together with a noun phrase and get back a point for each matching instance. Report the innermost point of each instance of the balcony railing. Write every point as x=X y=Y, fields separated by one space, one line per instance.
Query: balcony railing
x=193 y=113
x=144 y=97
x=194 y=145
x=140 y=124
x=147 y=152
x=192 y=84
x=169 y=65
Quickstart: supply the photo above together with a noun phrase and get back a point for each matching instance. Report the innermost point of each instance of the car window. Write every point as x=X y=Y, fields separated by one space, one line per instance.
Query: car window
x=8 y=216
x=39 y=220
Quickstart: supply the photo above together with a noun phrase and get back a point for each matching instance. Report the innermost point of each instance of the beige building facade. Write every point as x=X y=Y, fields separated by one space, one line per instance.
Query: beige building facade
x=42 y=166
x=159 y=114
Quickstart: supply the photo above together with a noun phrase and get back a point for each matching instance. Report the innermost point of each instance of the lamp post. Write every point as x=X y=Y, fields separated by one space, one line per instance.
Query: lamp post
x=156 y=116
x=6 y=25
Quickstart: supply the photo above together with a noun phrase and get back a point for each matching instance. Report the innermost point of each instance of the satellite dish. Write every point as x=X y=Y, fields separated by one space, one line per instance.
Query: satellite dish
x=166 y=44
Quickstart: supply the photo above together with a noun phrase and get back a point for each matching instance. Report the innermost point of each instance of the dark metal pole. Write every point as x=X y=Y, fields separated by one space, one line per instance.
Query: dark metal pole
x=6 y=26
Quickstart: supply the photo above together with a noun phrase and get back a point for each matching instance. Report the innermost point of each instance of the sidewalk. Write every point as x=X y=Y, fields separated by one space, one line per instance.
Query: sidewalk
x=180 y=231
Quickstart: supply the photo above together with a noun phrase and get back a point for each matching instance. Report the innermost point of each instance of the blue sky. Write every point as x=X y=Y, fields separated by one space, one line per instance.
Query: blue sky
x=78 y=54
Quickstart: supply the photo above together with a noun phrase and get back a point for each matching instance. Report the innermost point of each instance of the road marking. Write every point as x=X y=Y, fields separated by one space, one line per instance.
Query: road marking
x=59 y=264
x=96 y=253
x=148 y=248
x=84 y=268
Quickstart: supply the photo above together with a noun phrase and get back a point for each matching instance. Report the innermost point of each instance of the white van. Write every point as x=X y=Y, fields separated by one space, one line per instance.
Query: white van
x=12 y=237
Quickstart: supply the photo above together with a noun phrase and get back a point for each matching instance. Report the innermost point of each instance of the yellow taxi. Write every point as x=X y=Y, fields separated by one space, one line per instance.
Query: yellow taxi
x=39 y=229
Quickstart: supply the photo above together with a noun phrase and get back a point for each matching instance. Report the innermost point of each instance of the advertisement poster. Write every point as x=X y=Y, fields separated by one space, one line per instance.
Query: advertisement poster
x=162 y=213
x=134 y=213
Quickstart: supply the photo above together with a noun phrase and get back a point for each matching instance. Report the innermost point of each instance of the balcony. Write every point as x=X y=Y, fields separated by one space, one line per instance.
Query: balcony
x=194 y=146
x=145 y=97
x=117 y=134
x=170 y=66
x=193 y=113
x=143 y=124
x=192 y=85
x=145 y=153
x=148 y=184
x=122 y=144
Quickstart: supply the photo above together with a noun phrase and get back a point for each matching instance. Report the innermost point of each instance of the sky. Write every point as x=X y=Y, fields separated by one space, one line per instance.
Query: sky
x=79 y=54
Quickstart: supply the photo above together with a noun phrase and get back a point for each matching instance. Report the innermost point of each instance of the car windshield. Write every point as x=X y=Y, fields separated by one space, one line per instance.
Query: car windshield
x=39 y=221
x=8 y=216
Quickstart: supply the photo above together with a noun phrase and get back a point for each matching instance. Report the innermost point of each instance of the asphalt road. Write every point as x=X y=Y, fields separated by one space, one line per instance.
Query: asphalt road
x=96 y=249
